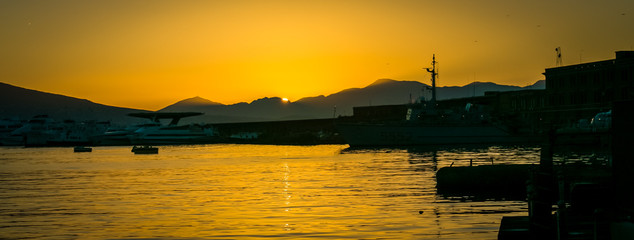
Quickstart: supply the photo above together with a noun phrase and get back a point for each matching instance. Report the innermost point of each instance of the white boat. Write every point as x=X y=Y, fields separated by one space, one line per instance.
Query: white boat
x=74 y=133
x=36 y=132
x=42 y=130
x=171 y=134
x=156 y=133
x=7 y=127
x=120 y=136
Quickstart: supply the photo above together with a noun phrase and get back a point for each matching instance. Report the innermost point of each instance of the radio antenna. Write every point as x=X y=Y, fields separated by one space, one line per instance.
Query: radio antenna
x=558 y=61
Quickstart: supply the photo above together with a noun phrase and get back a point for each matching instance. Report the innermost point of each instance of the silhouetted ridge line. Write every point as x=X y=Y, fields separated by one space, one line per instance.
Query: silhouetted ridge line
x=380 y=92
x=25 y=103
x=22 y=103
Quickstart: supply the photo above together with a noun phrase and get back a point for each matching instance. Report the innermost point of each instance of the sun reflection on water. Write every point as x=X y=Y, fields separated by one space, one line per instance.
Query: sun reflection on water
x=245 y=191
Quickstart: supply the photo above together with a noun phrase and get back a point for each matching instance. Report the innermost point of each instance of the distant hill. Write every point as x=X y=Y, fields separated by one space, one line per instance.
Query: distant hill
x=381 y=92
x=24 y=103
x=264 y=109
x=17 y=102
x=541 y=84
x=193 y=102
x=473 y=89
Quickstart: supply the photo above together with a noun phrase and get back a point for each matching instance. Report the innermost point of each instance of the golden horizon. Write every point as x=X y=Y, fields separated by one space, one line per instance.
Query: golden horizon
x=148 y=56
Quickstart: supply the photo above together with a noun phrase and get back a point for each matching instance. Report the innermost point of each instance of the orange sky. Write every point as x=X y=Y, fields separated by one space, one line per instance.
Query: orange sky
x=149 y=54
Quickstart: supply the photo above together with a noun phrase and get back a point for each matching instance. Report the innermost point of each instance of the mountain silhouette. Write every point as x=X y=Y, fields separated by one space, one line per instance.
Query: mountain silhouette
x=193 y=102
x=380 y=92
x=541 y=84
x=264 y=109
x=473 y=89
x=21 y=103
x=24 y=103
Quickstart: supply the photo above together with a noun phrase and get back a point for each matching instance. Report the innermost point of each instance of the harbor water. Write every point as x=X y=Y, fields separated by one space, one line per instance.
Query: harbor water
x=225 y=191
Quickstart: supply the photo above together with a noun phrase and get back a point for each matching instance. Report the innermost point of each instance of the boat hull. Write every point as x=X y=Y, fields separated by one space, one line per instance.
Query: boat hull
x=82 y=149
x=169 y=140
x=145 y=150
x=360 y=135
x=159 y=135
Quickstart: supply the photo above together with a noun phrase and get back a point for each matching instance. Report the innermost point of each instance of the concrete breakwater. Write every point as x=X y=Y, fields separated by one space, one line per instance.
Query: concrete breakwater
x=302 y=132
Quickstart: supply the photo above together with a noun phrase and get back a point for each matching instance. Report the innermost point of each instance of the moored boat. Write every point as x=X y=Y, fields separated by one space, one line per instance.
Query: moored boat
x=82 y=149
x=172 y=133
x=157 y=133
x=144 y=150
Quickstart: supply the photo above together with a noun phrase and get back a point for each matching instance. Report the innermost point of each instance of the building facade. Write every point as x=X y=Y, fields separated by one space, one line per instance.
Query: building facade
x=581 y=91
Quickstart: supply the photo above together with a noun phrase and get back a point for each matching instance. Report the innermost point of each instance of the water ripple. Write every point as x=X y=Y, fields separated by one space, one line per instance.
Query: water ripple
x=246 y=191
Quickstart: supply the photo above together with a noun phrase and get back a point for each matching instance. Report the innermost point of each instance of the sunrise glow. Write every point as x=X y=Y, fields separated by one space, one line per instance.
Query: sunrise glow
x=149 y=55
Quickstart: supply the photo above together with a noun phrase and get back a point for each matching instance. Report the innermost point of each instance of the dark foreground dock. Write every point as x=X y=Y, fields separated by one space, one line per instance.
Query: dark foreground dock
x=514 y=228
x=580 y=201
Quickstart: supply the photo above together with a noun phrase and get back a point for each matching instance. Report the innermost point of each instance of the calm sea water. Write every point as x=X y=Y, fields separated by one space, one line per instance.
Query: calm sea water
x=245 y=191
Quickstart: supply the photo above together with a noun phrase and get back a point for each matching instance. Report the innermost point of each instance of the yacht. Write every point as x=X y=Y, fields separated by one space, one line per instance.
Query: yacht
x=7 y=126
x=74 y=133
x=120 y=136
x=156 y=133
x=35 y=132
x=42 y=130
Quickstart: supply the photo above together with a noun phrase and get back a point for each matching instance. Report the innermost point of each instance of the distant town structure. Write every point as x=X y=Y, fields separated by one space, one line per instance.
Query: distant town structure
x=573 y=94
x=580 y=91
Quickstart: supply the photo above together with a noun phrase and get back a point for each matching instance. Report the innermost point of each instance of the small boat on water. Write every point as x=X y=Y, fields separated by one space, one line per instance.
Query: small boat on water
x=82 y=149
x=144 y=150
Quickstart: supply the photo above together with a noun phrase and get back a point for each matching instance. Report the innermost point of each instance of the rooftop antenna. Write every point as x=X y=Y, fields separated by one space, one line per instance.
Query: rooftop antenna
x=434 y=74
x=558 y=61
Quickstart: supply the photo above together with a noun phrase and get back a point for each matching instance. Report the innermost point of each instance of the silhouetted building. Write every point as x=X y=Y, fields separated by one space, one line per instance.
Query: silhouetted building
x=580 y=91
x=524 y=109
x=379 y=113
x=573 y=93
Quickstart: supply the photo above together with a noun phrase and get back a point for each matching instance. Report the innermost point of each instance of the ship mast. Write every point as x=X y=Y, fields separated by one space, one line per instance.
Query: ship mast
x=434 y=73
